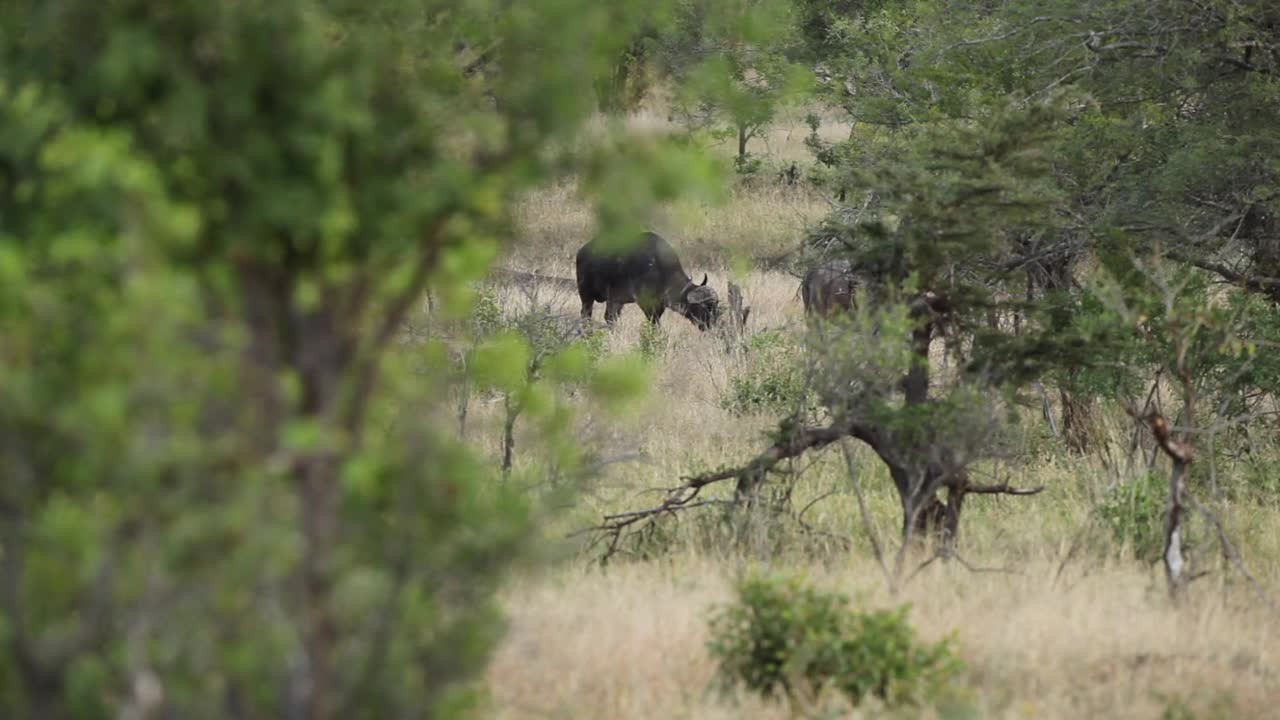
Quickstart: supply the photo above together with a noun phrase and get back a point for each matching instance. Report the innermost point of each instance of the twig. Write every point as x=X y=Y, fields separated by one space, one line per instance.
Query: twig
x=1229 y=549
x=922 y=566
x=811 y=503
x=867 y=525
x=1004 y=35
x=1002 y=489
x=979 y=569
x=1076 y=544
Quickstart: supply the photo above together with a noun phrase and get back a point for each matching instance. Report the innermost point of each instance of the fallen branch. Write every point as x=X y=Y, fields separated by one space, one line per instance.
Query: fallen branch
x=1002 y=489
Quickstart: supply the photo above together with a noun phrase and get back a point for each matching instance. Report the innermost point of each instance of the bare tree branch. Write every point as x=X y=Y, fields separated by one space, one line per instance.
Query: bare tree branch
x=867 y=526
x=1004 y=35
x=1002 y=489
x=1229 y=550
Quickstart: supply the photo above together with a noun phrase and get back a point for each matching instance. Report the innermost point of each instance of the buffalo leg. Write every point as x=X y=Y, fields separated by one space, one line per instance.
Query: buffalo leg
x=654 y=314
x=611 y=311
x=588 y=306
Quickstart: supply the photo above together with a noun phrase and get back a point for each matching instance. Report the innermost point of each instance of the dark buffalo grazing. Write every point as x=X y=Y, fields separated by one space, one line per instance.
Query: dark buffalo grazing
x=828 y=288
x=646 y=272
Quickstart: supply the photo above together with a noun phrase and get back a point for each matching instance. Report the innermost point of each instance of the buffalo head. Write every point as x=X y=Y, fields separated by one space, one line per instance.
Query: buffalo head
x=700 y=304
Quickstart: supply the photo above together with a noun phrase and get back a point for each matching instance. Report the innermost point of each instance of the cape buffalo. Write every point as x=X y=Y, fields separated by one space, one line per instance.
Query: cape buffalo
x=828 y=288
x=646 y=272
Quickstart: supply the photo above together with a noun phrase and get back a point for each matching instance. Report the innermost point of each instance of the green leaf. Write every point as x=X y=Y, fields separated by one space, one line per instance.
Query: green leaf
x=502 y=361
x=621 y=380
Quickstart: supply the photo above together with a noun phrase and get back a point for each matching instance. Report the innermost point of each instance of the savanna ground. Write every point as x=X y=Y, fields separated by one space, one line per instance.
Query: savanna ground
x=1055 y=617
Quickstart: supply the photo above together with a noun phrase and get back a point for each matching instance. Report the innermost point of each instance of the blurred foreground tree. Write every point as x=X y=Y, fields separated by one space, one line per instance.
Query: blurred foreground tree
x=214 y=218
x=731 y=64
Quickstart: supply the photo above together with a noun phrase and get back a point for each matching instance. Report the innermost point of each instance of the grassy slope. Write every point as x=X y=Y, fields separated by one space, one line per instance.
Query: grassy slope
x=1088 y=636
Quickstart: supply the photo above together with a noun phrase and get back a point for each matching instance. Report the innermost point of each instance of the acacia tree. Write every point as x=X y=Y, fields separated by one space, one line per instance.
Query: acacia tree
x=215 y=218
x=1170 y=161
x=1171 y=158
x=1171 y=151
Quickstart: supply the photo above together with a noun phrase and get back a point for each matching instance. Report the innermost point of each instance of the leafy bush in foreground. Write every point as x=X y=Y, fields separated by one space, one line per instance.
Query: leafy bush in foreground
x=782 y=634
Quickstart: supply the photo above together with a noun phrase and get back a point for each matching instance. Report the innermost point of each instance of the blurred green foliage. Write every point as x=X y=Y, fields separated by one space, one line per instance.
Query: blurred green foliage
x=731 y=63
x=226 y=493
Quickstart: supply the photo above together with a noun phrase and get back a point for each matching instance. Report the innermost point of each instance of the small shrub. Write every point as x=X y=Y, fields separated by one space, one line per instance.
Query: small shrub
x=486 y=314
x=748 y=167
x=596 y=344
x=773 y=380
x=782 y=635
x=653 y=340
x=1222 y=706
x=1134 y=512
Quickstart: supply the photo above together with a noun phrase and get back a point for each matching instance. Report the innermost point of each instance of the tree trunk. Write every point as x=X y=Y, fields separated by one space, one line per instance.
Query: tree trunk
x=744 y=492
x=916 y=383
x=738 y=314
x=1181 y=454
x=508 y=434
x=924 y=516
x=1077 y=421
x=319 y=360
x=317 y=480
x=1174 y=562
x=318 y=347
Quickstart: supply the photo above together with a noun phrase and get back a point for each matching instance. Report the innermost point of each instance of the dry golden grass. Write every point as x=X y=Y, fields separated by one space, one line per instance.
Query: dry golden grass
x=753 y=223
x=631 y=643
x=1077 y=630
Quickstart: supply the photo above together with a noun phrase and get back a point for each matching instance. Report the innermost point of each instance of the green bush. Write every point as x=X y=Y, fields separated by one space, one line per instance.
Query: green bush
x=773 y=379
x=1134 y=513
x=486 y=314
x=783 y=635
x=653 y=341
